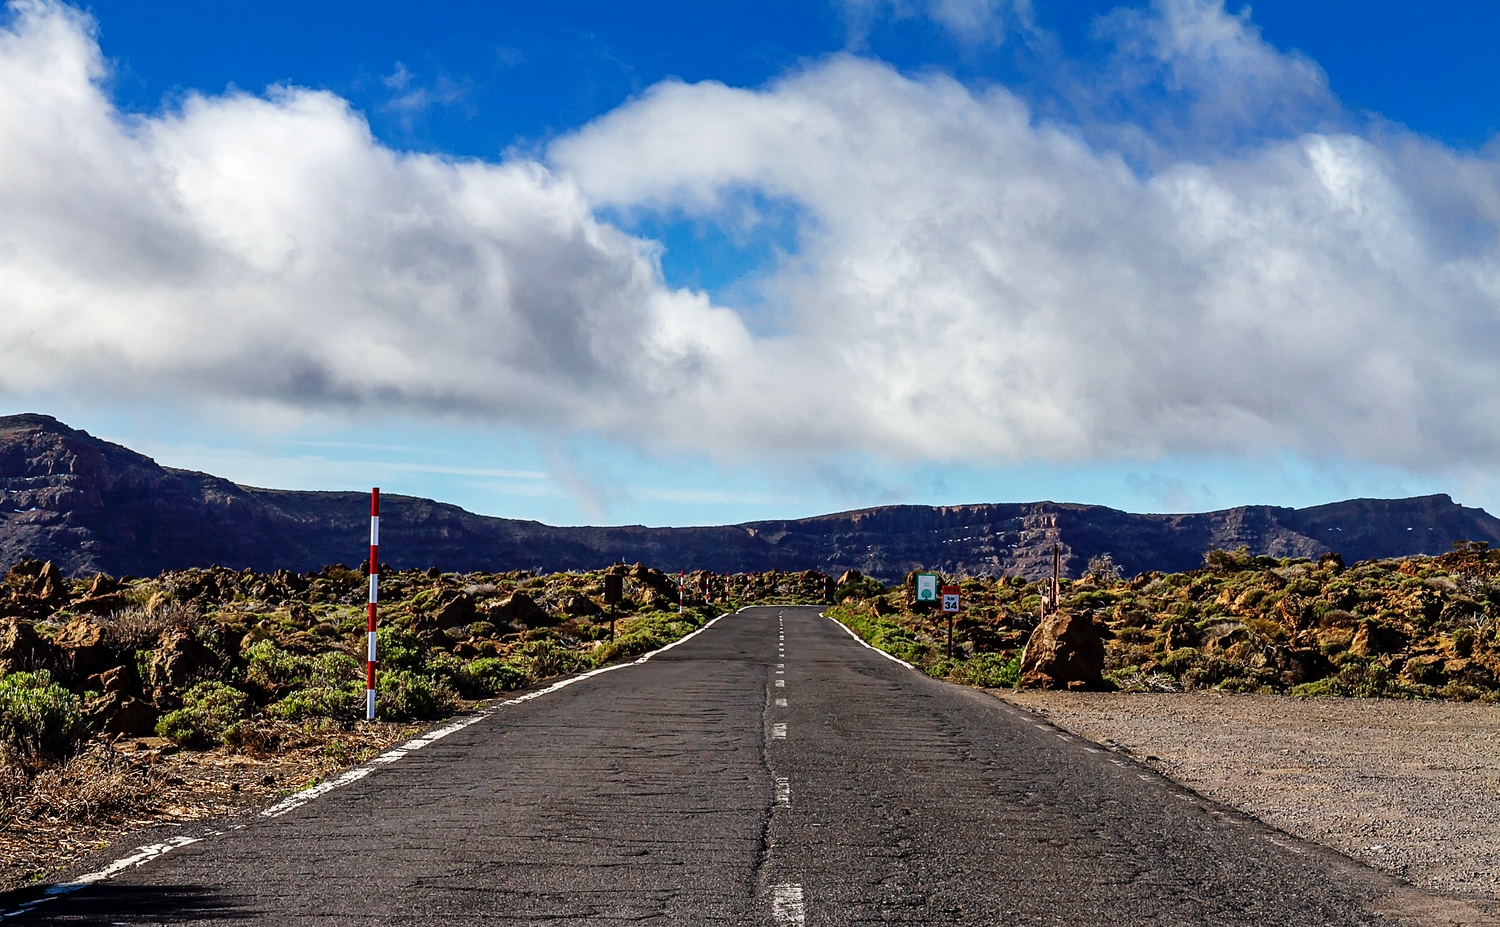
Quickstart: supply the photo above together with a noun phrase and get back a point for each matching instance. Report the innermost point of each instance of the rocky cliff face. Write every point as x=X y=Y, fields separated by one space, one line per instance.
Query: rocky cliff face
x=88 y=505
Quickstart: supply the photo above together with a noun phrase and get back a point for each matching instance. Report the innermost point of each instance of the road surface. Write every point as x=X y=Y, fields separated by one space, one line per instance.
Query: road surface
x=772 y=770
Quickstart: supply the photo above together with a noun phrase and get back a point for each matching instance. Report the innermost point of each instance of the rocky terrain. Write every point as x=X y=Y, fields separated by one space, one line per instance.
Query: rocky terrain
x=1415 y=627
x=90 y=506
x=190 y=693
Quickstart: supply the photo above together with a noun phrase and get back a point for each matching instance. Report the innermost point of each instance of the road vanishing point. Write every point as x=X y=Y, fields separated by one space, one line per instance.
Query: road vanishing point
x=769 y=770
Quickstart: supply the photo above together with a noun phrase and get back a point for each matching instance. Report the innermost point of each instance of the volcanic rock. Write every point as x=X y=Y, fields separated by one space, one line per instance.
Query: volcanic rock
x=82 y=643
x=521 y=610
x=22 y=649
x=1064 y=652
x=579 y=606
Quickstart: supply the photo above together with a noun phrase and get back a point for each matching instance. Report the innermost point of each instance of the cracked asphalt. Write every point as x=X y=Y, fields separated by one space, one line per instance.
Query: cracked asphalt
x=772 y=770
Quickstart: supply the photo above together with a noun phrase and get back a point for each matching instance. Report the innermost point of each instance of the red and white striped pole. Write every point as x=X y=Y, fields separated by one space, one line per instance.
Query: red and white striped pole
x=680 y=576
x=374 y=595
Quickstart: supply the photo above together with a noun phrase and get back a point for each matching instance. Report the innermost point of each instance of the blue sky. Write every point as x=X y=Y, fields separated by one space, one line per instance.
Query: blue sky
x=1119 y=346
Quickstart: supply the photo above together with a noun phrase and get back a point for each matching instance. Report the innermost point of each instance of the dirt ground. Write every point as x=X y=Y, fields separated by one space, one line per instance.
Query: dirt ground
x=1412 y=788
x=141 y=782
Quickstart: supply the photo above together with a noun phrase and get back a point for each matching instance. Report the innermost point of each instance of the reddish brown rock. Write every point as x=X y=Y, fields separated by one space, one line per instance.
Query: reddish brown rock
x=1064 y=652
x=22 y=649
x=83 y=645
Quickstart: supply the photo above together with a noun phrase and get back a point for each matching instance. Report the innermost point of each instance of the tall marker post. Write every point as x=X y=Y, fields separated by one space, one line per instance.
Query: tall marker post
x=374 y=595
x=681 y=578
x=950 y=611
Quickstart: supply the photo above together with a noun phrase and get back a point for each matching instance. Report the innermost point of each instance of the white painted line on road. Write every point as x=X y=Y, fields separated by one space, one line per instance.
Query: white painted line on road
x=781 y=703
x=141 y=856
x=783 y=793
x=781 y=683
x=778 y=731
x=867 y=646
x=786 y=905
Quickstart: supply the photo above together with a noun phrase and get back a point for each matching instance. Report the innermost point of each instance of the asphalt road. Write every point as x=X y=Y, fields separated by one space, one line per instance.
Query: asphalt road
x=745 y=779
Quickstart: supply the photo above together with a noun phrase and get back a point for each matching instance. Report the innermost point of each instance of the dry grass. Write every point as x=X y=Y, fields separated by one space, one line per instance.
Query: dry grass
x=136 y=628
x=53 y=816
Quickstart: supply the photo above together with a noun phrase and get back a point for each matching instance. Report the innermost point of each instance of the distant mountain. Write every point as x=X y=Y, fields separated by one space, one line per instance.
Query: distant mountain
x=89 y=506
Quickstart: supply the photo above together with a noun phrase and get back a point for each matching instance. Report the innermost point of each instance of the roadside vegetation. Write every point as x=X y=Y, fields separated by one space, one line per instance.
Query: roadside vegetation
x=125 y=701
x=1416 y=627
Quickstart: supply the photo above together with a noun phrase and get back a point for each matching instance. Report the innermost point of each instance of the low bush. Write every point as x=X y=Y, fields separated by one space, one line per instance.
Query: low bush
x=989 y=670
x=38 y=718
x=486 y=677
x=646 y=633
x=208 y=708
x=403 y=695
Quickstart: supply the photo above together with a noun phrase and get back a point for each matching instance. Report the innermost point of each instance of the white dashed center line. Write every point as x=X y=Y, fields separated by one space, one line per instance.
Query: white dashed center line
x=781 y=703
x=781 y=683
x=783 y=793
x=786 y=905
x=778 y=731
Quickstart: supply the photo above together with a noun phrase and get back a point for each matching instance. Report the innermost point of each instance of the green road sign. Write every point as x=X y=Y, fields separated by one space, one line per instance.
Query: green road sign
x=927 y=587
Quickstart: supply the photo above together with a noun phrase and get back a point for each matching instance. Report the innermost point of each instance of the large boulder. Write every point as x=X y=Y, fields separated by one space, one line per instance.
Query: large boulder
x=178 y=661
x=1064 y=652
x=579 y=606
x=456 y=612
x=100 y=605
x=521 y=610
x=84 y=647
x=22 y=649
x=1373 y=640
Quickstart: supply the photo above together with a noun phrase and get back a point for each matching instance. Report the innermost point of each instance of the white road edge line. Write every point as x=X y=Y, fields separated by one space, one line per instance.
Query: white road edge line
x=863 y=643
x=145 y=854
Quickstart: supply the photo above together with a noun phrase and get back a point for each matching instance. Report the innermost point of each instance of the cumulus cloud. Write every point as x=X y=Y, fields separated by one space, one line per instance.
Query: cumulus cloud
x=266 y=250
x=975 y=283
x=972 y=283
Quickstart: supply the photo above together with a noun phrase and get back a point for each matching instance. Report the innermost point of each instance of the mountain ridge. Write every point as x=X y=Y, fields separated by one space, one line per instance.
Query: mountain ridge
x=93 y=506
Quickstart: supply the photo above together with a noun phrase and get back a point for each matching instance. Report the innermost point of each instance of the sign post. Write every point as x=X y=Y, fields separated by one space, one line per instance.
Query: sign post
x=927 y=587
x=614 y=591
x=950 y=608
x=374 y=596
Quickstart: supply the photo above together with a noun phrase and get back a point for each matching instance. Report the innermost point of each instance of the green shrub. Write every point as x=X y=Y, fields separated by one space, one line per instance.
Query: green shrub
x=207 y=709
x=544 y=659
x=403 y=695
x=273 y=670
x=639 y=635
x=486 y=677
x=989 y=670
x=399 y=649
x=340 y=703
x=39 y=718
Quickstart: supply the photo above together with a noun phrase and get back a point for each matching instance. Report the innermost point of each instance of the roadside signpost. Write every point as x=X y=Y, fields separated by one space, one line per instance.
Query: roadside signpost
x=374 y=595
x=927 y=587
x=950 y=608
x=614 y=591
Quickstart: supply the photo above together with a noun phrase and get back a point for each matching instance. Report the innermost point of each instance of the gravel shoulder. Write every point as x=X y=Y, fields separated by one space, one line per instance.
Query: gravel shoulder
x=1410 y=788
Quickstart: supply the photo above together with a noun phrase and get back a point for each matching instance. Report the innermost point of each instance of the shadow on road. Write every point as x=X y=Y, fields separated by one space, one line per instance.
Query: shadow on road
x=122 y=904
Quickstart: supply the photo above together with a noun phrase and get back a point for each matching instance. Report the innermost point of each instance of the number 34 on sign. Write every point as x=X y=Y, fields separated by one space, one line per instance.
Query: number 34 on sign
x=950 y=598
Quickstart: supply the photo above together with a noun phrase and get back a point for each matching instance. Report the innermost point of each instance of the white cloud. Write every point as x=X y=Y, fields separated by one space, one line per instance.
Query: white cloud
x=977 y=285
x=267 y=251
x=973 y=284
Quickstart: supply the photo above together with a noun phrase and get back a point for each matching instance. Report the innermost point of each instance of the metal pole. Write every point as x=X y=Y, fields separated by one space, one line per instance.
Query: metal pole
x=1056 y=586
x=680 y=578
x=374 y=596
